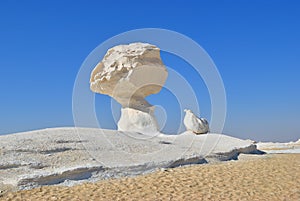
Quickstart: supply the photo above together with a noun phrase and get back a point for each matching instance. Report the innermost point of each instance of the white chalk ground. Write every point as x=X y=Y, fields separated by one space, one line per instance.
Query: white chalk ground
x=279 y=148
x=67 y=156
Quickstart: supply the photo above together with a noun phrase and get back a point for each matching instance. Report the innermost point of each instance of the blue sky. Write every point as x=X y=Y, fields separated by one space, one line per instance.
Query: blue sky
x=254 y=44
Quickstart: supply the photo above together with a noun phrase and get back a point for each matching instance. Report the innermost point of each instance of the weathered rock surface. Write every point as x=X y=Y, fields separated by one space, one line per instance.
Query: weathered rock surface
x=67 y=156
x=195 y=124
x=129 y=73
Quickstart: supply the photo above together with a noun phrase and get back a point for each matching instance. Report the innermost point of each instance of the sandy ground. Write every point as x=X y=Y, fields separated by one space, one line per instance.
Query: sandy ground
x=267 y=177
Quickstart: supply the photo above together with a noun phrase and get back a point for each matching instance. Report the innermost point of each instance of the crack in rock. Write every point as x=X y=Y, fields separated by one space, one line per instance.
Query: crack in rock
x=69 y=141
x=50 y=151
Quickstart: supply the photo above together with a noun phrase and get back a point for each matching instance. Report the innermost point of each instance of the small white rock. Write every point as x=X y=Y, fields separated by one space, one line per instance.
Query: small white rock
x=195 y=124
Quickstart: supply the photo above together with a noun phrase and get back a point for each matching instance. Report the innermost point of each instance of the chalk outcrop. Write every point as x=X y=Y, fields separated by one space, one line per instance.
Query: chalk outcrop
x=129 y=73
x=279 y=148
x=69 y=156
x=195 y=124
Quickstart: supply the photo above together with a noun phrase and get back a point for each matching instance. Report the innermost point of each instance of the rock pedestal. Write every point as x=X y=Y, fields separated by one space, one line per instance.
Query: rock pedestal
x=137 y=121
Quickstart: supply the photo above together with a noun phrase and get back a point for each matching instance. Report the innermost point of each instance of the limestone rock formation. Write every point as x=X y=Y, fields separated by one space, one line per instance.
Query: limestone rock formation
x=129 y=73
x=69 y=156
x=195 y=124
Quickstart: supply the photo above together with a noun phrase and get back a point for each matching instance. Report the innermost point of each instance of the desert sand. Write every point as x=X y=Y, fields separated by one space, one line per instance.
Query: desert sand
x=253 y=177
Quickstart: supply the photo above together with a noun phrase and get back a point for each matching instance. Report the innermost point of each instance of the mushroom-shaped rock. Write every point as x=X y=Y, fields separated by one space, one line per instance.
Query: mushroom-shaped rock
x=195 y=124
x=129 y=73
